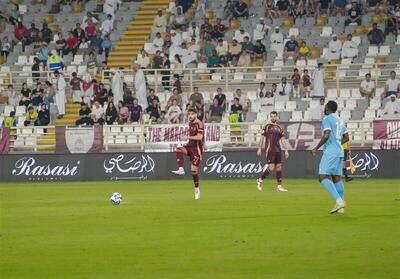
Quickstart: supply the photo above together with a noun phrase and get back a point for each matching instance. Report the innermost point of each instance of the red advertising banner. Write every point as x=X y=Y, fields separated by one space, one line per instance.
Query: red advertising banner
x=4 y=140
x=387 y=134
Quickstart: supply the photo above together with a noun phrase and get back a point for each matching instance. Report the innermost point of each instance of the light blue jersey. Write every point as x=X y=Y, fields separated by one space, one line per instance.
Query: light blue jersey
x=331 y=161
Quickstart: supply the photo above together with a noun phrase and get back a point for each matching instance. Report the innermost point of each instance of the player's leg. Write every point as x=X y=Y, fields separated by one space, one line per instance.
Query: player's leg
x=194 y=168
x=180 y=153
x=339 y=185
x=279 y=178
x=270 y=168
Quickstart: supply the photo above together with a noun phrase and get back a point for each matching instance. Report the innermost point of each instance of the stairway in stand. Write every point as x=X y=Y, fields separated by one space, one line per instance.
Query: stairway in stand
x=137 y=32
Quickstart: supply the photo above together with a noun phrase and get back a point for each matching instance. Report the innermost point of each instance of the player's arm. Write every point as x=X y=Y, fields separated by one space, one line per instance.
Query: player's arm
x=285 y=146
x=323 y=140
x=261 y=143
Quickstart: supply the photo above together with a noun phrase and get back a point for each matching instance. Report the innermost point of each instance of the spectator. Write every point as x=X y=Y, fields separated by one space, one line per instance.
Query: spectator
x=284 y=89
x=270 y=11
x=199 y=106
x=354 y=14
x=43 y=118
x=13 y=96
x=49 y=93
x=313 y=8
x=162 y=119
x=97 y=114
x=158 y=43
x=244 y=101
x=240 y=34
x=10 y=121
x=25 y=96
x=391 y=109
x=306 y=84
x=316 y=113
x=282 y=6
x=221 y=98
x=55 y=62
x=177 y=97
x=90 y=30
x=234 y=50
x=30 y=117
x=247 y=45
x=176 y=38
x=367 y=87
x=37 y=95
x=218 y=30
x=157 y=60
x=262 y=90
x=290 y=49
x=209 y=48
x=261 y=30
x=107 y=26
x=174 y=112
x=21 y=34
x=334 y=49
x=196 y=97
x=154 y=110
x=152 y=96
x=244 y=59
x=213 y=60
x=376 y=36
x=165 y=73
x=142 y=59
x=76 y=84
x=339 y=7
x=318 y=78
x=241 y=10
x=179 y=19
x=78 y=32
x=160 y=22
x=276 y=40
x=201 y=6
x=123 y=113
x=106 y=46
x=89 y=17
x=95 y=43
x=296 y=83
x=136 y=111
x=92 y=64
x=237 y=108
x=215 y=112
x=229 y=10
x=127 y=94
x=61 y=44
x=60 y=85
x=15 y=14
x=222 y=48
x=5 y=48
x=177 y=83
x=194 y=31
x=303 y=51
x=392 y=86
x=349 y=48
x=72 y=44
x=111 y=113
x=325 y=7
x=178 y=65
x=259 y=53
x=84 y=116
x=47 y=34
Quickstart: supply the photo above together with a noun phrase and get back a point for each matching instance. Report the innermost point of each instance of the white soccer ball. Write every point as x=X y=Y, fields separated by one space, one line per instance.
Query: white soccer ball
x=116 y=198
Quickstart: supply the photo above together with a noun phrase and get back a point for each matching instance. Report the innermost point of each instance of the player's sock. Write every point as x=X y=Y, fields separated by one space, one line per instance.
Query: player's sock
x=346 y=175
x=180 y=159
x=265 y=174
x=195 y=180
x=340 y=188
x=279 y=177
x=330 y=187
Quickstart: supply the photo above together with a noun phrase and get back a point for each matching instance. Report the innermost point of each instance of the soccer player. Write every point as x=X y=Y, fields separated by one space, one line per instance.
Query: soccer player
x=194 y=149
x=271 y=140
x=330 y=167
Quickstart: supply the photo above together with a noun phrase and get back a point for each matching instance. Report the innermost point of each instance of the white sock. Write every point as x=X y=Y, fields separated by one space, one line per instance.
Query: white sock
x=180 y=169
x=339 y=200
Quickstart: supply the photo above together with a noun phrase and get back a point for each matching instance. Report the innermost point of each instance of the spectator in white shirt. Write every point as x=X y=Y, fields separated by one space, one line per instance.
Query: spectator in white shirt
x=367 y=87
x=334 y=49
x=392 y=86
x=283 y=90
x=391 y=109
x=179 y=19
x=176 y=38
x=194 y=31
x=243 y=100
x=143 y=60
x=86 y=19
x=185 y=34
x=107 y=26
x=221 y=48
x=240 y=34
x=276 y=40
x=261 y=30
x=174 y=112
x=317 y=112
x=160 y=22
x=158 y=42
x=97 y=113
x=349 y=48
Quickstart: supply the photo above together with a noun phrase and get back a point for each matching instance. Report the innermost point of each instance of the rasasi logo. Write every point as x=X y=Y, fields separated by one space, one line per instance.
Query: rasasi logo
x=26 y=166
x=218 y=164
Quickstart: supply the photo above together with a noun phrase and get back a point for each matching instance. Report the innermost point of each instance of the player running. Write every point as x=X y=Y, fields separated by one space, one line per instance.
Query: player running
x=194 y=149
x=271 y=140
x=330 y=167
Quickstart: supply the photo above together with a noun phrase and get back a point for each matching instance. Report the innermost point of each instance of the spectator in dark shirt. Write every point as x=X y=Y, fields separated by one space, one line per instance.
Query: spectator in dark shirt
x=283 y=6
x=154 y=110
x=136 y=111
x=36 y=68
x=246 y=44
x=325 y=6
x=241 y=10
x=354 y=15
x=200 y=110
x=43 y=116
x=157 y=60
x=152 y=96
x=111 y=113
x=216 y=112
x=290 y=49
x=95 y=42
x=78 y=32
x=236 y=107
x=218 y=30
x=259 y=52
x=376 y=36
x=47 y=34
x=177 y=83
x=221 y=98
x=84 y=115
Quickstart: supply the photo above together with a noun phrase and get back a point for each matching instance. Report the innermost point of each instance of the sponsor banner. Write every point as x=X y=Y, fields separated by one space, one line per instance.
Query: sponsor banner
x=4 y=140
x=386 y=134
x=79 y=139
x=166 y=138
x=150 y=166
x=302 y=135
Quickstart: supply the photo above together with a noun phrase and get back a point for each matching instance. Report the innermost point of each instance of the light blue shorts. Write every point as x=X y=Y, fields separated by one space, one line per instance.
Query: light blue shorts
x=330 y=165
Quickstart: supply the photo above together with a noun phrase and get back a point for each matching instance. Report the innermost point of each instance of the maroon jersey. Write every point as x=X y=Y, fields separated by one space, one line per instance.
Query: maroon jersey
x=306 y=81
x=273 y=133
x=196 y=127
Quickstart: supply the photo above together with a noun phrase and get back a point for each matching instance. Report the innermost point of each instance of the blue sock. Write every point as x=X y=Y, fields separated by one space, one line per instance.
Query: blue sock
x=330 y=187
x=340 y=188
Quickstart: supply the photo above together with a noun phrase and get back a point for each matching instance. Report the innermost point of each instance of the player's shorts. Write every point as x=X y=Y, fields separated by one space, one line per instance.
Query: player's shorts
x=346 y=155
x=330 y=165
x=194 y=155
x=274 y=158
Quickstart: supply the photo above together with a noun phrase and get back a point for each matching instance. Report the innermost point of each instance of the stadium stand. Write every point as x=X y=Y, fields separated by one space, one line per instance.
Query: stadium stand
x=182 y=45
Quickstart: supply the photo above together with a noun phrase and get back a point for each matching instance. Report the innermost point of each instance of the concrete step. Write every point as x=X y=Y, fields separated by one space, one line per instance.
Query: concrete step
x=124 y=53
x=137 y=32
x=139 y=27
x=130 y=43
x=129 y=48
x=134 y=37
x=127 y=58
x=117 y=64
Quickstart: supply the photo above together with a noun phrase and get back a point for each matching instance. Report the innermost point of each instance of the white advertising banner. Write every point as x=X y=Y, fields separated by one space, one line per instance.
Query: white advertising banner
x=166 y=138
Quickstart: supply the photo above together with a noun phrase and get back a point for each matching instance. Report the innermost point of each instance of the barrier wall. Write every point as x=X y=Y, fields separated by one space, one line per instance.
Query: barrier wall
x=143 y=166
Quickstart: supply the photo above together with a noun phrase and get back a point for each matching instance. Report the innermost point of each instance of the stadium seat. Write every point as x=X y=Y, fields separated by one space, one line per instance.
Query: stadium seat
x=307 y=115
x=384 y=50
x=332 y=93
x=297 y=115
x=351 y=104
x=201 y=68
x=279 y=106
x=374 y=104
x=278 y=64
x=355 y=93
x=326 y=31
x=368 y=62
x=261 y=76
x=78 y=59
x=22 y=60
x=7 y=110
x=82 y=69
x=128 y=78
x=238 y=76
x=370 y=114
x=372 y=51
x=345 y=115
x=21 y=110
x=216 y=77
x=291 y=105
x=345 y=93
x=293 y=32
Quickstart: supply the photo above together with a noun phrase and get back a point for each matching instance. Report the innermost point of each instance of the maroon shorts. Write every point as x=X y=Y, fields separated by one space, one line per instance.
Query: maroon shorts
x=194 y=154
x=274 y=158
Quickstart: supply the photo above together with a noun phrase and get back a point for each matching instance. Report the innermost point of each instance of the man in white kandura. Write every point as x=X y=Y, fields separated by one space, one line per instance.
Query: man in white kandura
x=60 y=94
x=117 y=87
x=140 y=85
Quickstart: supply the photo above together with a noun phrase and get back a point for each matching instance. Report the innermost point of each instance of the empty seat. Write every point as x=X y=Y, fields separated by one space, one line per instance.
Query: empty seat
x=326 y=31
x=332 y=93
x=297 y=115
x=351 y=104
x=384 y=50
x=261 y=76
x=279 y=106
x=238 y=76
x=293 y=32
x=216 y=77
x=372 y=51
x=291 y=105
x=22 y=60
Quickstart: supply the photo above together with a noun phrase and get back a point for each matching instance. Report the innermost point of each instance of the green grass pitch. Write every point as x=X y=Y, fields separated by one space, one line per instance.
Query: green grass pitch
x=70 y=230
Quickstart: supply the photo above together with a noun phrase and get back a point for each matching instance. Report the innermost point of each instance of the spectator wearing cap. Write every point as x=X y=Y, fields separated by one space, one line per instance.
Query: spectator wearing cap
x=261 y=30
x=219 y=29
x=240 y=34
x=334 y=49
x=21 y=34
x=376 y=36
x=276 y=40
x=392 y=86
x=241 y=10
x=391 y=109
x=354 y=14
x=290 y=49
x=367 y=87
x=349 y=48
x=160 y=22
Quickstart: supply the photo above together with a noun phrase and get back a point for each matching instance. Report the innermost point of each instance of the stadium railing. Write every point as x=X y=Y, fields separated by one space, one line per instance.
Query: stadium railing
x=134 y=137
